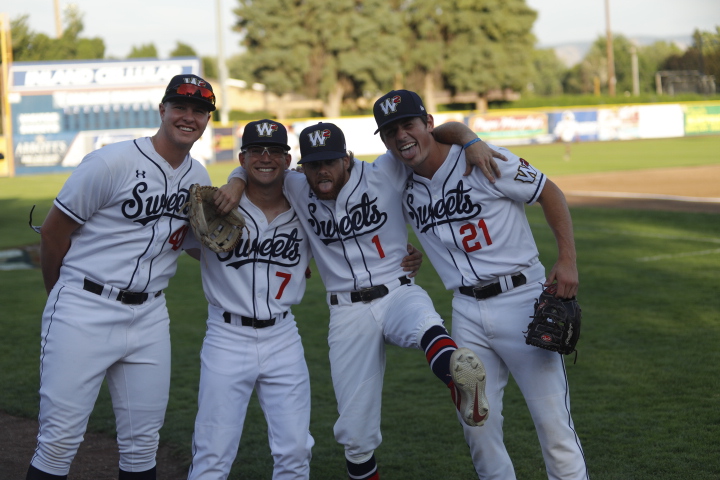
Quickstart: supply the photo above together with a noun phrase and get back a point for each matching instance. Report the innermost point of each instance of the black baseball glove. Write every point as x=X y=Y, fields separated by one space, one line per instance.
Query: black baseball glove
x=555 y=325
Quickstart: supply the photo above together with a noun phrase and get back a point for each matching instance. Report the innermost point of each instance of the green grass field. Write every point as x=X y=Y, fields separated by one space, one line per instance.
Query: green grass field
x=644 y=389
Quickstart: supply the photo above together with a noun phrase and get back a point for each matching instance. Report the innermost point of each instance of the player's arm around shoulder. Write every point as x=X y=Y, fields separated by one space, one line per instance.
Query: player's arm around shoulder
x=477 y=153
x=557 y=214
x=55 y=235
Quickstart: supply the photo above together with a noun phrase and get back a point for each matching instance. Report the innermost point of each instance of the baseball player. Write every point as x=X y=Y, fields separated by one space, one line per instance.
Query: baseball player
x=109 y=246
x=353 y=220
x=478 y=239
x=252 y=340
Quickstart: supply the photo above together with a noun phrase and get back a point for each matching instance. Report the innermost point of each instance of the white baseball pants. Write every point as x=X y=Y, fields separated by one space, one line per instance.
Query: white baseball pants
x=493 y=328
x=85 y=338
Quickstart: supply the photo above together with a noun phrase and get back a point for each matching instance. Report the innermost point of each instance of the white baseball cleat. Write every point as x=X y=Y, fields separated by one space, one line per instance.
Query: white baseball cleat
x=468 y=389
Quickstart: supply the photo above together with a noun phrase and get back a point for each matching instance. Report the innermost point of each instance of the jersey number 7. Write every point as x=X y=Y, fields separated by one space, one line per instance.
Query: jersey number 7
x=286 y=279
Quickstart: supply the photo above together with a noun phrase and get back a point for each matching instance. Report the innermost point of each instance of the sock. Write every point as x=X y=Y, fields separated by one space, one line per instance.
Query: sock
x=146 y=475
x=363 y=471
x=438 y=347
x=35 y=474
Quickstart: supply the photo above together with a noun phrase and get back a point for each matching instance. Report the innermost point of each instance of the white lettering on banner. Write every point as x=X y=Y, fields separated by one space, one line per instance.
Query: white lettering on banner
x=110 y=75
x=38 y=123
x=41 y=147
x=40 y=152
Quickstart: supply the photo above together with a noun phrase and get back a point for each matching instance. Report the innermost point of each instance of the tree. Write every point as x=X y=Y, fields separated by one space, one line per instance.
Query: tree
x=489 y=44
x=31 y=46
x=183 y=50
x=349 y=49
x=330 y=50
x=593 y=67
x=547 y=73
x=703 y=55
x=147 y=50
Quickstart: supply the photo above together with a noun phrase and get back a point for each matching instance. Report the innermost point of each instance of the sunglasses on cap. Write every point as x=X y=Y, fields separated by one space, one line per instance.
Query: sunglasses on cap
x=191 y=90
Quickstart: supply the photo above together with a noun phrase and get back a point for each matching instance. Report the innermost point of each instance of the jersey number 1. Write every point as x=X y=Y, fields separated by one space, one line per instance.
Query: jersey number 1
x=470 y=234
x=376 y=241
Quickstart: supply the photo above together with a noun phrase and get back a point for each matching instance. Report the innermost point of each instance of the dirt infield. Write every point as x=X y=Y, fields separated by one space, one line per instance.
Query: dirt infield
x=686 y=189
x=694 y=189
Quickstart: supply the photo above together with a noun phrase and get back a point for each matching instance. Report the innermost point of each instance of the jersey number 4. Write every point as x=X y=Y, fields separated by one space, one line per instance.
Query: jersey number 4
x=470 y=235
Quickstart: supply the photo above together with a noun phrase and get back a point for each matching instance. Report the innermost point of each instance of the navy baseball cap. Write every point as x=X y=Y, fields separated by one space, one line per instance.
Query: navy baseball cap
x=395 y=105
x=190 y=87
x=265 y=133
x=324 y=141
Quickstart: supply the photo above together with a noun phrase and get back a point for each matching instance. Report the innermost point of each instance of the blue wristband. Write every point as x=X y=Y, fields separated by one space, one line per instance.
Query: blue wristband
x=474 y=140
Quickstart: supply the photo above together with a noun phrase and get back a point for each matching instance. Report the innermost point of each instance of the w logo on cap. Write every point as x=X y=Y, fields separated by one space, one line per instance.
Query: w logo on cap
x=389 y=105
x=266 y=129
x=319 y=137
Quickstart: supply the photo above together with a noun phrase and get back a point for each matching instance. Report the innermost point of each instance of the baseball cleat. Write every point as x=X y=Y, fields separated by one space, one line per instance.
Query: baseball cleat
x=468 y=386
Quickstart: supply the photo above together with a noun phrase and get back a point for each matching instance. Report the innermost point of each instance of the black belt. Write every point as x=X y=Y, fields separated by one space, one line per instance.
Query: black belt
x=128 y=298
x=487 y=291
x=369 y=294
x=252 y=322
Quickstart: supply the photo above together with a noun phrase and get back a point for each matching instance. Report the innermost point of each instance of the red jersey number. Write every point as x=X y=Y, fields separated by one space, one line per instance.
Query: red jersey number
x=470 y=234
x=286 y=279
x=177 y=237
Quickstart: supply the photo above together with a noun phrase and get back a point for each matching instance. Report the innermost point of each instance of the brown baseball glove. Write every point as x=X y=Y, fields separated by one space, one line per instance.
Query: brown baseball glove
x=220 y=233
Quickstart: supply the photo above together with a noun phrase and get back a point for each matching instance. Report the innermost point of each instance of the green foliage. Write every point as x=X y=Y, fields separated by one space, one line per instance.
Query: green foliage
x=570 y=100
x=183 y=50
x=703 y=56
x=146 y=50
x=210 y=67
x=348 y=50
x=30 y=46
x=652 y=58
x=547 y=73
x=321 y=49
x=645 y=407
x=489 y=45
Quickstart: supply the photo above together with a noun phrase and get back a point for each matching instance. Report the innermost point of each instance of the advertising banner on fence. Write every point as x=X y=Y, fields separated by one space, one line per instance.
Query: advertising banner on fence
x=63 y=110
x=702 y=120
x=661 y=121
x=511 y=129
x=573 y=125
x=618 y=123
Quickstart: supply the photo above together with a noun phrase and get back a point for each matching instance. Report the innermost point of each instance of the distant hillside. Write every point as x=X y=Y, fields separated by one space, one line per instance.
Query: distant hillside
x=572 y=53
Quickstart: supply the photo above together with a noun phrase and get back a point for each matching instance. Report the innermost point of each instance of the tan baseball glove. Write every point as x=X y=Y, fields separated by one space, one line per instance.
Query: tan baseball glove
x=220 y=233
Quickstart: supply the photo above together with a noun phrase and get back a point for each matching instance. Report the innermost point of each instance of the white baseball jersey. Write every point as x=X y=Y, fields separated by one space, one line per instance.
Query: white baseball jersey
x=359 y=240
x=475 y=232
x=261 y=278
x=129 y=201
x=265 y=274
x=472 y=230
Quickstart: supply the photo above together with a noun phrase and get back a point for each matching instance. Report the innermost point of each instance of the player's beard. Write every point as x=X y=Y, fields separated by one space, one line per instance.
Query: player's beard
x=332 y=194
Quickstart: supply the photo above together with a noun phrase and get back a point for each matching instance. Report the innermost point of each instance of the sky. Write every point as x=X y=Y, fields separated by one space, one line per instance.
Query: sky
x=129 y=23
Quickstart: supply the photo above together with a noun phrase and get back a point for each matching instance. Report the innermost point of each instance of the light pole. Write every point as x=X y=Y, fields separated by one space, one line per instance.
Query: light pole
x=635 y=72
x=610 y=59
x=222 y=67
x=58 y=19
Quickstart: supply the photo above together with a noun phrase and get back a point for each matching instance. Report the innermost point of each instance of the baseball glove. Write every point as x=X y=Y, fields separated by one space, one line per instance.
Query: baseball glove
x=220 y=233
x=555 y=325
